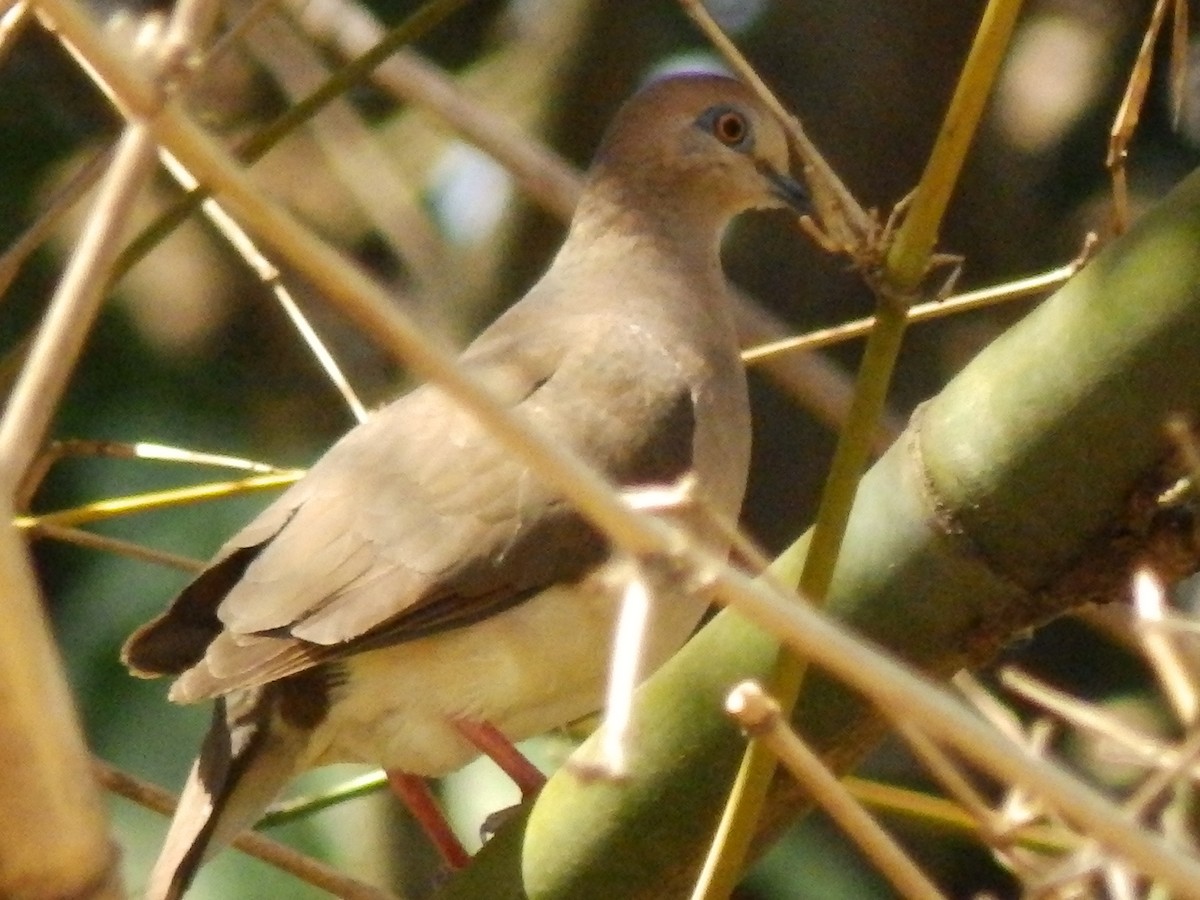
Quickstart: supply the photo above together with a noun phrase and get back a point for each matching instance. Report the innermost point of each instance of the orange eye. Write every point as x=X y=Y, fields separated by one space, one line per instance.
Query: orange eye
x=730 y=128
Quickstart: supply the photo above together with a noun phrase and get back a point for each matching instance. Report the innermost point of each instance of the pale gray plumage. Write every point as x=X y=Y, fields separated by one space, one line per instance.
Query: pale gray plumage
x=419 y=571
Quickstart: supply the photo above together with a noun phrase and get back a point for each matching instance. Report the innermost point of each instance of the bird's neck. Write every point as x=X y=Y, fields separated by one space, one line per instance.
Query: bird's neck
x=656 y=234
x=634 y=256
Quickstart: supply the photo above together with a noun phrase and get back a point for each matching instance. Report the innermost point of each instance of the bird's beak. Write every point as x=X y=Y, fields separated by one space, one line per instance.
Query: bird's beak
x=790 y=191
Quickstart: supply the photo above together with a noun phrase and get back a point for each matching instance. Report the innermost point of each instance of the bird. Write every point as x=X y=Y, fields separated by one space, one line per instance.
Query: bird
x=420 y=595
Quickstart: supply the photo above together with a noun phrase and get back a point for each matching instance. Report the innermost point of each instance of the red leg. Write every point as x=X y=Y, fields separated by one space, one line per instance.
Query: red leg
x=414 y=793
x=500 y=750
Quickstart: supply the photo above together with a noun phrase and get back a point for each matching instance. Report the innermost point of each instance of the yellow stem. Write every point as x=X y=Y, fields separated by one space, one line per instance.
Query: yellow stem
x=906 y=264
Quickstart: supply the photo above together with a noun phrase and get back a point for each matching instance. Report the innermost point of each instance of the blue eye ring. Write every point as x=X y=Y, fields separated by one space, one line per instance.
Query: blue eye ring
x=727 y=125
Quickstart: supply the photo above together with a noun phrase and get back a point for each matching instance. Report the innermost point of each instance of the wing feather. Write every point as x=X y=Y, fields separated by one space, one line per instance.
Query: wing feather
x=418 y=521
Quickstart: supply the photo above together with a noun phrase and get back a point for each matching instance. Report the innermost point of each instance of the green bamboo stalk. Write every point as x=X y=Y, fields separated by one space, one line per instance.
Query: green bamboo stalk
x=1002 y=505
x=907 y=262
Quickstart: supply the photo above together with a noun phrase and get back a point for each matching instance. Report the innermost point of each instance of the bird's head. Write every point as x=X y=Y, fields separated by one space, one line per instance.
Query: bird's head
x=698 y=146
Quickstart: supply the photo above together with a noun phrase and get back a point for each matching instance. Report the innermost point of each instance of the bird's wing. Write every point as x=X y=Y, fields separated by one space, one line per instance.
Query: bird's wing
x=418 y=521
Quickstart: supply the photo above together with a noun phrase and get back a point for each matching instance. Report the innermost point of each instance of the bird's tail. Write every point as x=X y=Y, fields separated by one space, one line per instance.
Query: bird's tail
x=243 y=765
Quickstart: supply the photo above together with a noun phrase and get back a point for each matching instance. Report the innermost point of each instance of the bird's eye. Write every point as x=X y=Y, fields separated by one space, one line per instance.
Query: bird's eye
x=730 y=128
x=727 y=125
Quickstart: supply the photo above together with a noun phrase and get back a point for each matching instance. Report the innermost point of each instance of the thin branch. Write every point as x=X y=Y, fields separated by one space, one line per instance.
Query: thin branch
x=301 y=807
x=352 y=29
x=354 y=153
x=926 y=809
x=841 y=215
x=760 y=716
x=107 y=544
x=57 y=451
x=948 y=775
x=968 y=301
x=1175 y=672
x=72 y=309
x=306 y=868
x=1089 y=858
x=812 y=380
x=1002 y=717
x=113 y=507
x=610 y=758
x=1184 y=761
x=1129 y=111
x=908 y=257
x=51 y=214
x=132 y=91
x=165 y=453
x=244 y=19
x=1142 y=748
x=270 y=276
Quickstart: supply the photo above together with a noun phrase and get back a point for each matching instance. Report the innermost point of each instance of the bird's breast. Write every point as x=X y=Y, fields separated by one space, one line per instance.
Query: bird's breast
x=526 y=670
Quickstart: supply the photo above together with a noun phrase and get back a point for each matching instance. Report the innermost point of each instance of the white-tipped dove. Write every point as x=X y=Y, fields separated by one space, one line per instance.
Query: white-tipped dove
x=420 y=596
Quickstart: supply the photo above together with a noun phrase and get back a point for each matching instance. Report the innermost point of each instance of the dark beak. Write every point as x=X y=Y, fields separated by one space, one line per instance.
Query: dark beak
x=790 y=191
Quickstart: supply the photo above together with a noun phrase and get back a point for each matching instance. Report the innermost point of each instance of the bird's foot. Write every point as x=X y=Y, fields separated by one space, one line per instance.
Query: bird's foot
x=497 y=820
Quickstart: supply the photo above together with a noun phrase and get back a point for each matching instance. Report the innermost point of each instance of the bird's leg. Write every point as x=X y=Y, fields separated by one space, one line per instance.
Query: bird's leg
x=414 y=793
x=489 y=741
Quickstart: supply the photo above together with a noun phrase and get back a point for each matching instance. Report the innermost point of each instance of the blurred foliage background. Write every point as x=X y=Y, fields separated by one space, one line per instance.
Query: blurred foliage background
x=193 y=351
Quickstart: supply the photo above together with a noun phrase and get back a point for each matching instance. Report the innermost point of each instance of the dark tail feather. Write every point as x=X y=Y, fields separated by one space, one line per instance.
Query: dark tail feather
x=243 y=765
